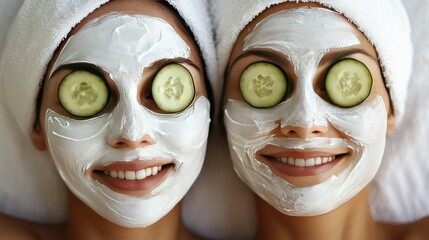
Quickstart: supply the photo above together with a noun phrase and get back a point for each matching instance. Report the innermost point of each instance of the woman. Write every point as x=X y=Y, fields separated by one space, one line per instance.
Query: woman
x=307 y=110
x=123 y=110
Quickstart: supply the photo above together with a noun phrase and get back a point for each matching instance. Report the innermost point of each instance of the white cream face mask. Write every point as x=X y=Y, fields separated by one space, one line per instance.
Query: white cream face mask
x=305 y=35
x=123 y=45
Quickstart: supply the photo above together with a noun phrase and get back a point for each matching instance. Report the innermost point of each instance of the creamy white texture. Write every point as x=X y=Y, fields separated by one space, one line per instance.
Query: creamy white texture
x=123 y=45
x=304 y=35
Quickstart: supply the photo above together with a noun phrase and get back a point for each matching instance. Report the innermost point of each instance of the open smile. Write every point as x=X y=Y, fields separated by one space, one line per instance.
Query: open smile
x=301 y=163
x=310 y=162
x=134 y=175
x=133 y=178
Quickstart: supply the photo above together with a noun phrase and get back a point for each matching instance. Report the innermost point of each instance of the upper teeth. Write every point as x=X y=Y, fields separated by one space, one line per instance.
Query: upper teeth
x=311 y=162
x=134 y=175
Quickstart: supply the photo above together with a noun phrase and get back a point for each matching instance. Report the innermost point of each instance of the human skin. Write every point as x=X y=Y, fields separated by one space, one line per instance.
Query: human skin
x=351 y=220
x=83 y=222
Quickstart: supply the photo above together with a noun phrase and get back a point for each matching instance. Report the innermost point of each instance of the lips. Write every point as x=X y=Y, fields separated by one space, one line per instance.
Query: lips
x=311 y=162
x=134 y=175
x=300 y=163
x=133 y=178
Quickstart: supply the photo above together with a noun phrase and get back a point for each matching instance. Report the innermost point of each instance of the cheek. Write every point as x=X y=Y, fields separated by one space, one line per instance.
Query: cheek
x=379 y=88
x=200 y=84
x=386 y=98
x=50 y=100
x=42 y=117
x=68 y=135
x=189 y=130
x=232 y=89
x=365 y=124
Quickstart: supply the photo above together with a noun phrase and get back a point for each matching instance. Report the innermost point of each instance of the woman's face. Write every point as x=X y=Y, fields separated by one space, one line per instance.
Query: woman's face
x=124 y=111
x=303 y=133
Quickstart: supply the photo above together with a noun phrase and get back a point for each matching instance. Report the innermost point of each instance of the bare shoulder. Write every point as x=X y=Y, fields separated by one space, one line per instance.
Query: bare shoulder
x=14 y=228
x=419 y=230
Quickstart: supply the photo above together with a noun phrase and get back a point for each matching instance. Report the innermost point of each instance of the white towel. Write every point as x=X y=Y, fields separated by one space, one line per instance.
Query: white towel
x=30 y=187
x=8 y=10
x=400 y=191
x=401 y=188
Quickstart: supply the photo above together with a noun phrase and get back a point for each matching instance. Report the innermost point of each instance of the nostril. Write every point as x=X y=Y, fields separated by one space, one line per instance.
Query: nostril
x=302 y=132
x=117 y=144
x=317 y=132
x=289 y=132
x=121 y=142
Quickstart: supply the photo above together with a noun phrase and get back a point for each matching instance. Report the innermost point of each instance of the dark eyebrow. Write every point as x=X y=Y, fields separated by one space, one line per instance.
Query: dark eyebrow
x=268 y=54
x=80 y=66
x=160 y=63
x=86 y=66
x=337 y=55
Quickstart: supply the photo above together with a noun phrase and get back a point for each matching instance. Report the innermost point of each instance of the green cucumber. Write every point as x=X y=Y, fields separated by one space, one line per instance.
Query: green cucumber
x=348 y=83
x=173 y=88
x=83 y=93
x=263 y=85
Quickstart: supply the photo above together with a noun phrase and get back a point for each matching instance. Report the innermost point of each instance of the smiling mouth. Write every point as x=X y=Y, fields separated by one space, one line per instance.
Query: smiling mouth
x=310 y=162
x=301 y=165
x=133 y=178
x=134 y=175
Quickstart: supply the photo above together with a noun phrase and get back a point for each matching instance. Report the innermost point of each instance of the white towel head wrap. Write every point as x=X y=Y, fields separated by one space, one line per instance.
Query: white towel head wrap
x=38 y=29
x=383 y=22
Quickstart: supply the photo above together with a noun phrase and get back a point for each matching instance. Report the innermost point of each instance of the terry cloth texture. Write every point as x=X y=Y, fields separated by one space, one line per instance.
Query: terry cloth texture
x=8 y=10
x=37 y=30
x=400 y=190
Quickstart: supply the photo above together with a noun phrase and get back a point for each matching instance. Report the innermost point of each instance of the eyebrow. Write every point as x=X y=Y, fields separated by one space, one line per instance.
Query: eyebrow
x=329 y=57
x=337 y=55
x=79 y=65
x=263 y=54
x=162 y=62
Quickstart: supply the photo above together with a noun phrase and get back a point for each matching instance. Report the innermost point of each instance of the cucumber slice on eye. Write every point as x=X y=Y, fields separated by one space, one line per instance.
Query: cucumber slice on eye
x=348 y=83
x=173 y=88
x=263 y=84
x=83 y=93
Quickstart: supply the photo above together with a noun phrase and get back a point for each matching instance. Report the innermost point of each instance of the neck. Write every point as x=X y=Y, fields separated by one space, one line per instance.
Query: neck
x=351 y=220
x=84 y=223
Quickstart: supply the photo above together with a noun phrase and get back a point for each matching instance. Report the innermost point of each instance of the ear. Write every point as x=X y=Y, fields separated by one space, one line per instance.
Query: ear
x=38 y=138
x=390 y=123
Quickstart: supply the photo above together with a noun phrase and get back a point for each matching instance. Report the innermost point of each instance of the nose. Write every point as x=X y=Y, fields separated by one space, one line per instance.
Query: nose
x=121 y=142
x=303 y=132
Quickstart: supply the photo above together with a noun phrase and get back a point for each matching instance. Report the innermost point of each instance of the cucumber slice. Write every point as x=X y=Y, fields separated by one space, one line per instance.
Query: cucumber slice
x=83 y=93
x=263 y=84
x=348 y=83
x=173 y=88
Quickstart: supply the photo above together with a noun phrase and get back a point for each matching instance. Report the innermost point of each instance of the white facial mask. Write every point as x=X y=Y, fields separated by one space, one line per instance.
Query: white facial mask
x=305 y=35
x=123 y=45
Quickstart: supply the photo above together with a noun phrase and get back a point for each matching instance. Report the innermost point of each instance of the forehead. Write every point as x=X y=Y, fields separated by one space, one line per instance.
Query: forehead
x=288 y=25
x=123 y=43
x=134 y=7
x=302 y=28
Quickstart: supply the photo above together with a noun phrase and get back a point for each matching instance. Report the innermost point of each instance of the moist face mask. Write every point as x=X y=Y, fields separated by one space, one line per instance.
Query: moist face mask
x=304 y=35
x=123 y=46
